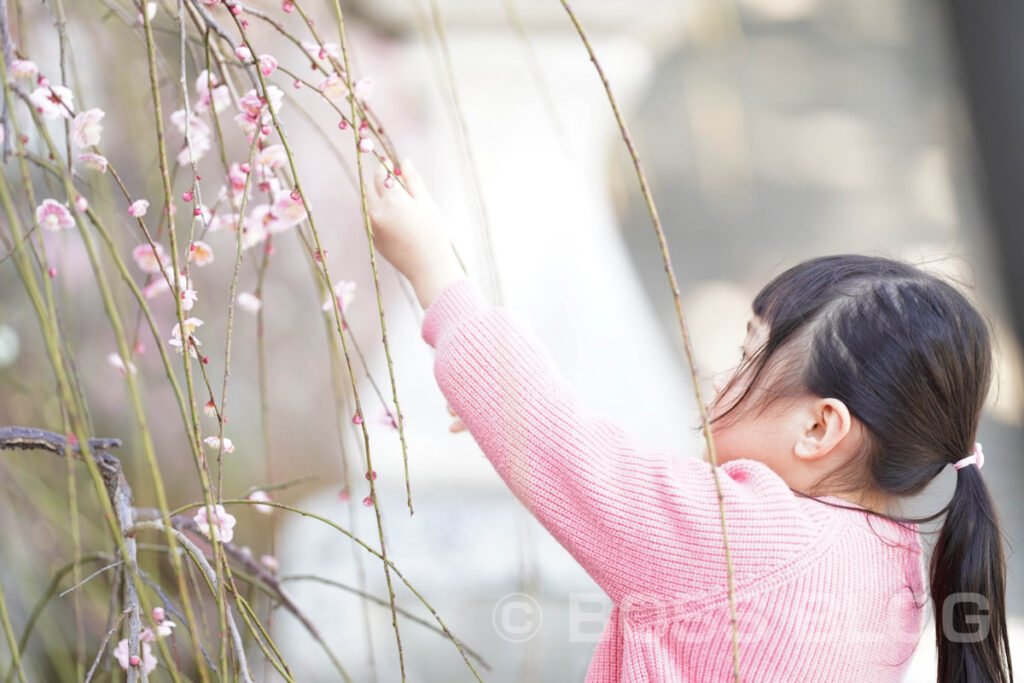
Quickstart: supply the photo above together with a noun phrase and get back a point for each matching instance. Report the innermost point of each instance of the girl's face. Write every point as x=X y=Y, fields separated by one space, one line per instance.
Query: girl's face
x=748 y=431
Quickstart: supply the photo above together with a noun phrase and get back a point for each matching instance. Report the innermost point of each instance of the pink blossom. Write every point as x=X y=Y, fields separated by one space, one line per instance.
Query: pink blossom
x=159 y=614
x=195 y=124
x=115 y=360
x=363 y=88
x=243 y=53
x=344 y=292
x=149 y=258
x=389 y=182
x=190 y=325
x=124 y=658
x=366 y=145
x=23 y=68
x=52 y=215
x=220 y=222
x=93 y=162
x=164 y=628
x=248 y=302
x=138 y=208
x=271 y=157
x=261 y=497
x=200 y=253
x=270 y=562
x=188 y=299
x=287 y=6
x=215 y=442
x=197 y=145
x=333 y=88
x=267 y=64
x=322 y=52
x=86 y=128
x=287 y=212
x=81 y=204
x=53 y=102
x=210 y=409
x=221 y=520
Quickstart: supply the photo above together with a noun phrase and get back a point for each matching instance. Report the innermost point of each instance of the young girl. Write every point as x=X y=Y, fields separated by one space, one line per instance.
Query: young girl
x=861 y=379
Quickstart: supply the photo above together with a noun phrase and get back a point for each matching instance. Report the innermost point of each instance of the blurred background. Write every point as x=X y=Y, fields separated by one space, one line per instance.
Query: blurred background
x=771 y=131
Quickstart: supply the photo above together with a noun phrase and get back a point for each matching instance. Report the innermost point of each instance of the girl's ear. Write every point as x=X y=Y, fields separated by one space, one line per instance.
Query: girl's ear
x=827 y=424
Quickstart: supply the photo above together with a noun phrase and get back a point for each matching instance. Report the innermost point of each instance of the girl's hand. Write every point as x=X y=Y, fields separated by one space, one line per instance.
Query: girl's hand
x=457 y=424
x=408 y=231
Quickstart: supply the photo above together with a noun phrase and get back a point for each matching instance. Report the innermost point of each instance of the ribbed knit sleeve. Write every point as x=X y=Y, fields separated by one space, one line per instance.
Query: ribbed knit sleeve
x=642 y=522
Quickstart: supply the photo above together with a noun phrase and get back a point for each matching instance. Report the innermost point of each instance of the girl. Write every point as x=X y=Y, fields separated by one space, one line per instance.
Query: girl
x=861 y=379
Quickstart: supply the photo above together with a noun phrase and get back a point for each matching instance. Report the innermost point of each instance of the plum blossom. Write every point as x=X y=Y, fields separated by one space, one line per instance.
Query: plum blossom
x=224 y=523
x=220 y=222
x=190 y=325
x=52 y=215
x=271 y=157
x=188 y=298
x=115 y=360
x=316 y=51
x=214 y=442
x=243 y=53
x=86 y=128
x=93 y=162
x=270 y=562
x=53 y=101
x=138 y=208
x=23 y=68
x=210 y=408
x=261 y=497
x=81 y=204
x=151 y=8
x=220 y=96
x=363 y=88
x=344 y=292
x=200 y=253
x=249 y=302
x=149 y=258
x=267 y=64
x=123 y=656
x=288 y=211
x=333 y=88
x=366 y=145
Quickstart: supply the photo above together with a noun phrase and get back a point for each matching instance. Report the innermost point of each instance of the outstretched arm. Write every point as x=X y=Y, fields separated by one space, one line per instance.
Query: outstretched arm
x=642 y=523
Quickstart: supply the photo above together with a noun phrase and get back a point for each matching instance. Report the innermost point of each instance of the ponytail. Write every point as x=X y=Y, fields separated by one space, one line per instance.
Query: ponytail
x=968 y=585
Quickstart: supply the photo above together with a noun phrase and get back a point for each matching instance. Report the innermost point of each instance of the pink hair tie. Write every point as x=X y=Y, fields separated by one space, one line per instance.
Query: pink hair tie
x=975 y=458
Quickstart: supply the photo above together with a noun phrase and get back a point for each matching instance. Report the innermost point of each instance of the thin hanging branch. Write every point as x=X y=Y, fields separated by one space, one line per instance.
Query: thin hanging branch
x=684 y=331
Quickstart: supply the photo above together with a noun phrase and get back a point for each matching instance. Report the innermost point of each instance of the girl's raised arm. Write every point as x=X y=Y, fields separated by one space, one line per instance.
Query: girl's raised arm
x=644 y=524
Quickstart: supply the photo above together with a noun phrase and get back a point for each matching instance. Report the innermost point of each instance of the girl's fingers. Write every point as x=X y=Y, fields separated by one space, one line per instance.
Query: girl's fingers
x=372 y=192
x=379 y=174
x=413 y=180
x=456 y=426
x=451 y=411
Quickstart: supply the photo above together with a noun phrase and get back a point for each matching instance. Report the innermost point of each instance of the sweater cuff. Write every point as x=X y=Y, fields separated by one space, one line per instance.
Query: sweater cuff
x=458 y=299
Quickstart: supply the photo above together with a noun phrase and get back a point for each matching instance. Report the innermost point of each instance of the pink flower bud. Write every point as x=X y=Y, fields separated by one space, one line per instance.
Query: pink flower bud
x=134 y=660
x=244 y=167
x=81 y=204
x=320 y=255
x=368 y=501
x=297 y=84
x=187 y=196
x=343 y=124
x=236 y=10
x=159 y=614
x=52 y=272
x=197 y=211
x=265 y=130
x=244 y=23
x=343 y=495
x=140 y=347
x=389 y=182
x=371 y=475
x=243 y=53
x=323 y=53
x=295 y=195
x=267 y=64
x=357 y=419
x=288 y=6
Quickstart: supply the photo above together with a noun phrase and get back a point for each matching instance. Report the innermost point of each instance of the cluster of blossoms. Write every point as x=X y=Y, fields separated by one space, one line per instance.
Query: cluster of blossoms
x=164 y=628
x=221 y=519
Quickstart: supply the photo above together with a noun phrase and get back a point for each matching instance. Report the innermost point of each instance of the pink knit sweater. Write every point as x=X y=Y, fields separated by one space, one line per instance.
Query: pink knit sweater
x=822 y=594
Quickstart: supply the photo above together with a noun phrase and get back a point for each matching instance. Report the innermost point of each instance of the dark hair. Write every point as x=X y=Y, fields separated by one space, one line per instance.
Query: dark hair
x=911 y=359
